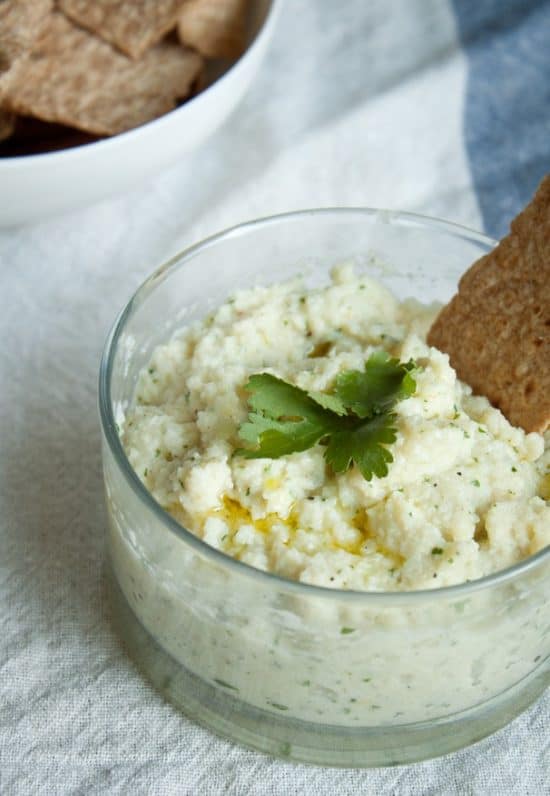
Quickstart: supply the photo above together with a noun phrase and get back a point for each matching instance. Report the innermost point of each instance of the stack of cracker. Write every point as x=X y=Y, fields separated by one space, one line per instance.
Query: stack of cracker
x=106 y=66
x=496 y=329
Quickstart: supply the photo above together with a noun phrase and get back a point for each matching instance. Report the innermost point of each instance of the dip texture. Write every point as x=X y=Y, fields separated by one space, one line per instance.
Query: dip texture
x=464 y=497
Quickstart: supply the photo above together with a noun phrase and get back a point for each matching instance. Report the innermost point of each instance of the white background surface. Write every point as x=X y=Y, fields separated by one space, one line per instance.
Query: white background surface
x=360 y=105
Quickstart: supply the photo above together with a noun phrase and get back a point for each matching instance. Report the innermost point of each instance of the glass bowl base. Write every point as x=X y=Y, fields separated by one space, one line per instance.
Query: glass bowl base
x=302 y=741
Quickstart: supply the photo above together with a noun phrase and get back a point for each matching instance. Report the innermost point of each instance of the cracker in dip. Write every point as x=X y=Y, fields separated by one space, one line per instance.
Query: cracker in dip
x=496 y=329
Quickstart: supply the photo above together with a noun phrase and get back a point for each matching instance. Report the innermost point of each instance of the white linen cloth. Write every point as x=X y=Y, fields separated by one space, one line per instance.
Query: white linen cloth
x=357 y=104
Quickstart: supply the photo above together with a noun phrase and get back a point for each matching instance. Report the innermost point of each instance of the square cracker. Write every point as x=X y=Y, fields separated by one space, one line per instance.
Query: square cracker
x=76 y=79
x=496 y=329
x=20 y=22
x=215 y=28
x=131 y=25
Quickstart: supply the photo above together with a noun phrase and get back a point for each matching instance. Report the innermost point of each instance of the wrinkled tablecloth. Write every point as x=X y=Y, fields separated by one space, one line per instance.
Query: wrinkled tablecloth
x=429 y=105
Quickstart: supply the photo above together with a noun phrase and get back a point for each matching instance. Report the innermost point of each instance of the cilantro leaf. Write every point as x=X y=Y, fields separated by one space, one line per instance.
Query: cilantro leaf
x=355 y=421
x=284 y=419
x=364 y=445
x=376 y=389
x=329 y=401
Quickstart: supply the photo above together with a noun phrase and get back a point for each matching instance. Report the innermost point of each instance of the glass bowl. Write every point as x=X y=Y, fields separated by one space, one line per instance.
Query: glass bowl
x=312 y=674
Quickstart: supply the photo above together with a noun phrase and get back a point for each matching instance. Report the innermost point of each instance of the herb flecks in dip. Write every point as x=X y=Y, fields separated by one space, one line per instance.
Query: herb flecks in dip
x=464 y=496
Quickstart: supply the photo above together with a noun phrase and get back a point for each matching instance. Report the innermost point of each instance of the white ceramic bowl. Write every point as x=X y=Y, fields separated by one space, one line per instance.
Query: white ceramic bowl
x=42 y=185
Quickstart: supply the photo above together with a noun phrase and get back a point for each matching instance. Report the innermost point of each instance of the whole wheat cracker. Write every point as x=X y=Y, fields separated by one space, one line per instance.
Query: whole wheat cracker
x=215 y=28
x=496 y=329
x=76 y=79
x=131 y=25
x=20 y=22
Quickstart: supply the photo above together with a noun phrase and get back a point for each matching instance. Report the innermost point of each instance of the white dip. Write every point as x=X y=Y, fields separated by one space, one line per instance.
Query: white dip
x=464 y=497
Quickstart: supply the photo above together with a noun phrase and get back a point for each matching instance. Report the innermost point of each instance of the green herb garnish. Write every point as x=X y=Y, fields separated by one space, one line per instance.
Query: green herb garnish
x=355 y=421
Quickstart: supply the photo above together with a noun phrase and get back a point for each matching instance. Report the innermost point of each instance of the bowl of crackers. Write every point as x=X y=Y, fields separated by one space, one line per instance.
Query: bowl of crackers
x=98 y=95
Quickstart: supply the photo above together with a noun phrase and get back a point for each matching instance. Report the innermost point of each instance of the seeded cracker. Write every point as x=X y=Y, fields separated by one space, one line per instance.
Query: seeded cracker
x=215 y=28
x=74 y=78
x=20 y=22
x=496 y=329
x=131 y=25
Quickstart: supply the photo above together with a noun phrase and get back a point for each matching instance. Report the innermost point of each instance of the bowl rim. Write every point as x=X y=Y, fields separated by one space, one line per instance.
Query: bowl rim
x=110 y=143
x=111 y=435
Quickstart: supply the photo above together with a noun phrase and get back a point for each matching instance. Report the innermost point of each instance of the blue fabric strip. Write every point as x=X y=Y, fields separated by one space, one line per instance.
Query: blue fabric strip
x=507 y=112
